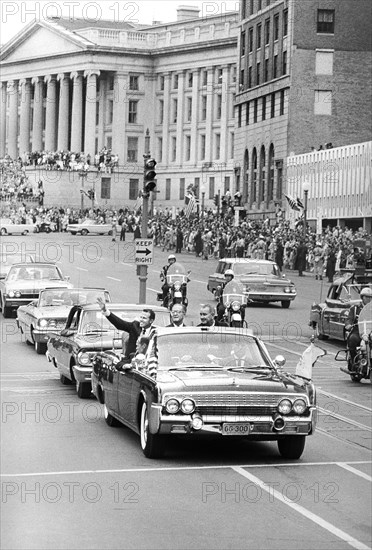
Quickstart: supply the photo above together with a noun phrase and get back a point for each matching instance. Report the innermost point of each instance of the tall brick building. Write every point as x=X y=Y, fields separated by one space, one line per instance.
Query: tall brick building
x=304 y=70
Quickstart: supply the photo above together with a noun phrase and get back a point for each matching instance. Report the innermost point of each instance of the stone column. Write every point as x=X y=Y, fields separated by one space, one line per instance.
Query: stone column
x=167 y=108
x=90 y=113
x=180 y=115
x=24 y=130
x=77 y=113
x=13 y=118
x=101 y=124
x=209 y=119
x=120 y=115
x=51 y=109
x=3 y=119
x=63 y=111
x=37 y=121
x=224 y=114
x=194 y=117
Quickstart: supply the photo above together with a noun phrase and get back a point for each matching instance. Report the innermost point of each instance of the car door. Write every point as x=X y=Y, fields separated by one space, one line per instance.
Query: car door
x=124 y=386
x=66 y=342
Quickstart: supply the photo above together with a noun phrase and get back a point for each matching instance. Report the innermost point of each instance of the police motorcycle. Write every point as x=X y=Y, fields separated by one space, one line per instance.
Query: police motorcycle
x=176 y=280
x=235 y=301
x=361 y=366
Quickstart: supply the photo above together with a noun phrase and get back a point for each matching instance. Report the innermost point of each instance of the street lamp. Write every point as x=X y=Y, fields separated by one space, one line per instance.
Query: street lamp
x=305 y=189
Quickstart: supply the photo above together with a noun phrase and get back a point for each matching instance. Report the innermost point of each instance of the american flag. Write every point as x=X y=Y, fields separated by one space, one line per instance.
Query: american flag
x=300 y=203
x=293 y=203
x=190 y=204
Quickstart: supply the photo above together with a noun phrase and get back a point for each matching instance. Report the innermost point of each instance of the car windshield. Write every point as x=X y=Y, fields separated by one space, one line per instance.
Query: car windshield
x=95 y=321
x=33 y=273
x=209 y=349
x=255 y=269
x=67 y=297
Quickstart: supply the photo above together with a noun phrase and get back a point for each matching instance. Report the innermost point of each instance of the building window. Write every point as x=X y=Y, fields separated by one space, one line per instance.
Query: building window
x=241 y=78
x=105 y=188
x=168 y=189
x=204 y=107
x=275 y=67
x=189 y=80
x=242 y=44
x=258 y=73
x=276 y=27
x=323 y=102
x=259 y=5
x=175 y=82
x=324 y=63
x=284 y=63
x=197 y=187
x=188 y=148
x=267 y=32
x=161 y=111
x=264 y=108
x=133 y=82
x=247 y=107
x=266 y=70
x=255 y=109
x=239 y=116
x=232 y=145
x=273 y=105
x=110 y=111
x=182 y=188
x=211 y=188
x=219 y=106
x=132 y=112
x=174 y=110
x=218 y=146
x=133 y=189
x=205 y=77
x=259 y=36
x=97 y=113
x=282 y=102
x=108 y=142
x=219 y=76
x=285 y=22
x=174 y=148
x=132 y=153
x=233 y=74
x=189 y=109
x=161 y=83
x=243 y=10
x=110 y=83
x=202 y=147
x=250 y=40
x=326 y=21
x=160 y=149
x=251 y=7
x=249 y=77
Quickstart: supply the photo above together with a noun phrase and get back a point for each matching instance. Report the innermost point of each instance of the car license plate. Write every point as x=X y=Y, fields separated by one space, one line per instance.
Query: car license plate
x=236 y=428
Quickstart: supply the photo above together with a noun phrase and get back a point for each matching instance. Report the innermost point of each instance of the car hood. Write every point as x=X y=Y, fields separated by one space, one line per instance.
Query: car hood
x=35 y=286
x=50 y=312
x=97 y=341
x=264 y=280
x=223 y=380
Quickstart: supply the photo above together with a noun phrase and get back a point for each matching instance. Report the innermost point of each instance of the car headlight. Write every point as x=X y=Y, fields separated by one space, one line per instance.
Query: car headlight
x=42 y=323
x=187 y=406
x=172 y=406
x=17 y=294
x=235 y=306
x=84 y=359
x=177 y=286
x=285 y=406
x=287 y=289
x=299 y=406
x=11 y=294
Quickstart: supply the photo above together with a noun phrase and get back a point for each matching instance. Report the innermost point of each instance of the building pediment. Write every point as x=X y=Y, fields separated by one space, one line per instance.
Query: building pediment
x=41 y=42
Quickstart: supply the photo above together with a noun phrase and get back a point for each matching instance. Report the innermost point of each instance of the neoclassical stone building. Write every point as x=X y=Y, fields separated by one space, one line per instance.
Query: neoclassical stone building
x=81 y=86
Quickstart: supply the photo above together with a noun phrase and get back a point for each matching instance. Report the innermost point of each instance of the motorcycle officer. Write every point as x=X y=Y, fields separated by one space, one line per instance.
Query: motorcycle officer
x=354 y=338
x=163 y=275
x=229 y=275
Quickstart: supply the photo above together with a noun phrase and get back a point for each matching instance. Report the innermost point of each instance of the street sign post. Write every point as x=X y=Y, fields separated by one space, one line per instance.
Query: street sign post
x=144 y=251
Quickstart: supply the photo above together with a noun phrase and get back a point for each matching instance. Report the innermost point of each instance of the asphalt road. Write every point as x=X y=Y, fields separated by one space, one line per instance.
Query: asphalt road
x=70 y=481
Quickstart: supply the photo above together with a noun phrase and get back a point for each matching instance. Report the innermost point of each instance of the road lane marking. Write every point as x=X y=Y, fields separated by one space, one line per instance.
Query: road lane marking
x=345 y=419
x=81 y=269
x=354 y=471
x=113 y=278
x=344 y=400
x=303 y=511
x=352 y=444
x=183 y=468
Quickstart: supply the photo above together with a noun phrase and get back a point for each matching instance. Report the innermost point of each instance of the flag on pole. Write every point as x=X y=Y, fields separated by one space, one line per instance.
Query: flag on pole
x=190 y=204
x=308 y=359
x=300 y=203
x=292 y=202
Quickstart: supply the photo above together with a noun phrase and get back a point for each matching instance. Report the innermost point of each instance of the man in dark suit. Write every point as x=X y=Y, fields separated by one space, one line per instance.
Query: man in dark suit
x=178 y=313
x=143 y=327
x=207 y=318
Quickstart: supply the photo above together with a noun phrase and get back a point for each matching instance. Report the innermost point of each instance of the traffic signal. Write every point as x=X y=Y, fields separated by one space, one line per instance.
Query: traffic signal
x=216 y=200
x=149 y=182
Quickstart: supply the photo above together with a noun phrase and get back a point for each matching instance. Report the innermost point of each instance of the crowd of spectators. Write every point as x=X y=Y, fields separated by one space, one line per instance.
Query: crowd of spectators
x=104 y=161
x=14 y=182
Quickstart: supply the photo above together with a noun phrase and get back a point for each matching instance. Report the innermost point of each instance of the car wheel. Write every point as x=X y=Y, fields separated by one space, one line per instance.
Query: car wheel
x=286 y=303
x=109 y=233
x=64 y=380
x=291 y=446
x=3 y=231
x=356 y=377
x=84 y=232
x=83 y=389
x=25 y=232
x=109 y=419
x=319 y=334
x=40 y=348
x=73 y=232
x=151 y=444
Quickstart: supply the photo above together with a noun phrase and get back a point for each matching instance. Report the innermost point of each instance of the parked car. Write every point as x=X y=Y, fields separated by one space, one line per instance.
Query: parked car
x=209 y=381
x=87 y=331
x=7 y=259
x=24 y=282
x=90 y=226
x=261 y=279
x=8 y=227
x=48 y=314
x=328 y=318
